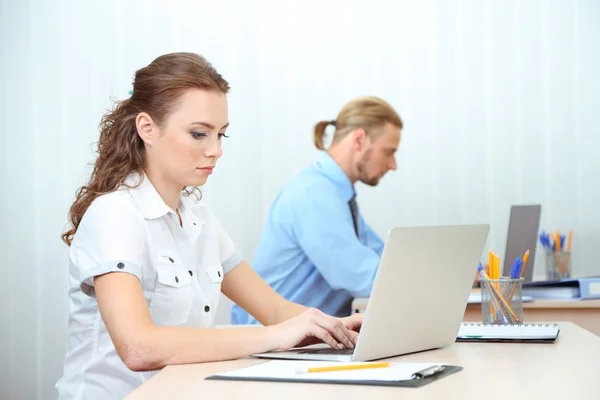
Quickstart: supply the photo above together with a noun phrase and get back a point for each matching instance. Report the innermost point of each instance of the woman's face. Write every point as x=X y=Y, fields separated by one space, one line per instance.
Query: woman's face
x=188 y=143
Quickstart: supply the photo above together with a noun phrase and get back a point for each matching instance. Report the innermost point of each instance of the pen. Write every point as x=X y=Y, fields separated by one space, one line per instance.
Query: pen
x=429 y=371
x=519 y=268
x=515 y=273
x=494 y=304
x=498 y=297
x=342 y=367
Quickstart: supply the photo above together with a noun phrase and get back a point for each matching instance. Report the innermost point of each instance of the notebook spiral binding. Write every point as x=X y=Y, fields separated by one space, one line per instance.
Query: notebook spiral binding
x=509 y=326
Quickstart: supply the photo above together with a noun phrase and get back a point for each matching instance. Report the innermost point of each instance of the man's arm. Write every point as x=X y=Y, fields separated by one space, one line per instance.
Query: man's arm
x=371 y=238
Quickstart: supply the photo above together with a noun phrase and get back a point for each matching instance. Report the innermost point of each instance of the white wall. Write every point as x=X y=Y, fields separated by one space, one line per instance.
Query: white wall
x=500 y=102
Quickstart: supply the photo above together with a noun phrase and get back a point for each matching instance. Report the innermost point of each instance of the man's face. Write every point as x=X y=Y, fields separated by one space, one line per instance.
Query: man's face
x=379 y=156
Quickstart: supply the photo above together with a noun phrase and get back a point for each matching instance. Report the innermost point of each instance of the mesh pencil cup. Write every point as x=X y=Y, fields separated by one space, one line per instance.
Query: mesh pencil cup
x=558 y=265
x=502 y=301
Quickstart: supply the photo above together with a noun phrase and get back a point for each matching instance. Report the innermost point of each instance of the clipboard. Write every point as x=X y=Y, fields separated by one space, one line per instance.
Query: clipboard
x=416 y=381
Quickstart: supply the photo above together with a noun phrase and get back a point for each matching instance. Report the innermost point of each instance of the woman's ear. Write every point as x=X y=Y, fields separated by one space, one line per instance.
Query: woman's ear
x=146 y=128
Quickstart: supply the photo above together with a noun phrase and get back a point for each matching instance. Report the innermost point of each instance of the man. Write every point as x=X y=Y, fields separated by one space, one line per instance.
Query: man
x=316 y=249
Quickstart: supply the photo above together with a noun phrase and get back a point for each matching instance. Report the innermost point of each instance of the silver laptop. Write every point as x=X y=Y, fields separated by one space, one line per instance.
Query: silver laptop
x=419 y=296
x=523 y=230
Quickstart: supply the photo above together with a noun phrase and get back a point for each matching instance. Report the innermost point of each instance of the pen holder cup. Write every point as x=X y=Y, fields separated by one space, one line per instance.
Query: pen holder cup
x=558 y=265
x=502 y=301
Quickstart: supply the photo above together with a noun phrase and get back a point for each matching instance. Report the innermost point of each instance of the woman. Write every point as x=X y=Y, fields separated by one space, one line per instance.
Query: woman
x=148 y=261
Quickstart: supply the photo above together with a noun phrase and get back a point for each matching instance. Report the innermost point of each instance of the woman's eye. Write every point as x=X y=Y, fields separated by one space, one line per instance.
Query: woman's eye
x=222 y=135
x=197 y=135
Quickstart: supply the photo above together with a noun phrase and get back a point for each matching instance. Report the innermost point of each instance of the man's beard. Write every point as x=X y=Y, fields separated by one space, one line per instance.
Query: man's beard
x=362 y=170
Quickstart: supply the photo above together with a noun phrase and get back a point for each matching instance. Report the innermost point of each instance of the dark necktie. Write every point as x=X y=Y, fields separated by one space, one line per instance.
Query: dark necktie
x=354 y=212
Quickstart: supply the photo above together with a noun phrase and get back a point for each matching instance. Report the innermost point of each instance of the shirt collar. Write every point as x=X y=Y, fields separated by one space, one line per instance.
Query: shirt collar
x=337 y=176
x=146 y=198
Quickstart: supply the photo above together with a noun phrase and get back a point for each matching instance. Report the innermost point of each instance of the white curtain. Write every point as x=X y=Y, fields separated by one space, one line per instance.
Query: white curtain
x=499 y=98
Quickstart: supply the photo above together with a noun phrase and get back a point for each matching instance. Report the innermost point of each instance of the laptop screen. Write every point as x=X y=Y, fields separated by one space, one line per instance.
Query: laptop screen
x=522 y=235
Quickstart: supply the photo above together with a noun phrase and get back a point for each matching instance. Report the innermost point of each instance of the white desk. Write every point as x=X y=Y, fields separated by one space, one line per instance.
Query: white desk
x=566 y=369
x=585 y=313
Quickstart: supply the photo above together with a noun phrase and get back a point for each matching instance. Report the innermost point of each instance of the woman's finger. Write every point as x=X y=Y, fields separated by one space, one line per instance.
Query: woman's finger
x=337 y=329
x=325 y=337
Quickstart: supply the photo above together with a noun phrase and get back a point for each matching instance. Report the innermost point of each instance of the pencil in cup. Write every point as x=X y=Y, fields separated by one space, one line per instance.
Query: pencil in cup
x=516 y=272
x=568 y=260
x=496 y=314
x=558 y=254
x=558 y=265
x=503 y=310
x=506 y=311
x=494 y=271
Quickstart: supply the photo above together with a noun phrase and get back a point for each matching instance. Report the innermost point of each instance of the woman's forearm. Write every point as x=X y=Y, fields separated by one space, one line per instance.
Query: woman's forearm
x=160 y=346
x=286 y=310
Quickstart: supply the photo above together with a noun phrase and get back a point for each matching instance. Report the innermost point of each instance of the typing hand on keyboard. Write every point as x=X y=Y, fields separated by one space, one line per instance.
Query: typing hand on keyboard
x=313 y=326
x=328 y=351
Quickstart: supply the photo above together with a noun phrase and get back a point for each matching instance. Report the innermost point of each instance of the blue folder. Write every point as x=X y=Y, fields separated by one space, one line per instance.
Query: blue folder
x=567 y=289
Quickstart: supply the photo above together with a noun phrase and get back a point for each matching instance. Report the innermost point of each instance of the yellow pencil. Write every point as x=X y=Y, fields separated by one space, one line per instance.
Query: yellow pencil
x=557 y=256
x=342 y=367
x=569 y=241
x=497 y=266
x=525 y=258
x=501 y=299
x=490 y=270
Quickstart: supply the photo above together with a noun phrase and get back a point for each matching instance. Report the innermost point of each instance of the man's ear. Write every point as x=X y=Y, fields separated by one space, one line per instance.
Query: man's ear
x=146 y=128
x=359 y=139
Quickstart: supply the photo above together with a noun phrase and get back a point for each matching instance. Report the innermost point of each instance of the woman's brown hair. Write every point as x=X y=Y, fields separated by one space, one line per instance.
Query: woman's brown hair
x=157 y=88
x=367 y=112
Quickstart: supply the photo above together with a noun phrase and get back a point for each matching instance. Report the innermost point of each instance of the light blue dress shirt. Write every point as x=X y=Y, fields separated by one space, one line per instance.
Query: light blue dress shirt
x=309 y=251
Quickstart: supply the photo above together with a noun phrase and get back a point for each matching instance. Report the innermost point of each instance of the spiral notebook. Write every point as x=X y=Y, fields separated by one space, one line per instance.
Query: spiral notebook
x=524 y=333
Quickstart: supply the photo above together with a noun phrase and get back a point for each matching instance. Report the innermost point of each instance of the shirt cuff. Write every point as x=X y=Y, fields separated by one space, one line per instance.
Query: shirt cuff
x=233 y=261
x=87 y=277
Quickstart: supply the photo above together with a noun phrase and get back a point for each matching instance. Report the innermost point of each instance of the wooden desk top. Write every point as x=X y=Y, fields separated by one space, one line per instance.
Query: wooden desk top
x=562 y=304
x=567 y=368
x=360 y=303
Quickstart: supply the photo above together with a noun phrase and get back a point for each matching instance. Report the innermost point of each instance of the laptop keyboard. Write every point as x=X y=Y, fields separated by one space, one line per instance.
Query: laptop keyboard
x=329 y=350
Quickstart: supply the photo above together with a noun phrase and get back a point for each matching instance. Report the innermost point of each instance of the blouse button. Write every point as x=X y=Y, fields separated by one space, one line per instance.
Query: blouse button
x=206 y=308
x=191 y=273
x=176 y=280
x=120 y=265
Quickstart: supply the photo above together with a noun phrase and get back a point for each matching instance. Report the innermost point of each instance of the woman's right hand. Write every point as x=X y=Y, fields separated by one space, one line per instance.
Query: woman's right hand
x=312 y=327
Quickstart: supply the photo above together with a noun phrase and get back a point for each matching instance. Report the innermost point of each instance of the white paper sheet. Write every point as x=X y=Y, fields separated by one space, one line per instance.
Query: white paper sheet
x=284 y=369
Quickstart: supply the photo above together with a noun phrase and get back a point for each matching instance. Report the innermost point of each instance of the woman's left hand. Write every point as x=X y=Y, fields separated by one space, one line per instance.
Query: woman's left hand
x=354 y=321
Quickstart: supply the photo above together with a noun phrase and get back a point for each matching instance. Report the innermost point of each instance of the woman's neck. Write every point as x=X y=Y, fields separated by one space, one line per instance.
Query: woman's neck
x=168 y=190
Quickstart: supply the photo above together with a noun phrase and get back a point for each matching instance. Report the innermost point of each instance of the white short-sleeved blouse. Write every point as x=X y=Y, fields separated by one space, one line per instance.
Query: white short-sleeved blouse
x=179 y=268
